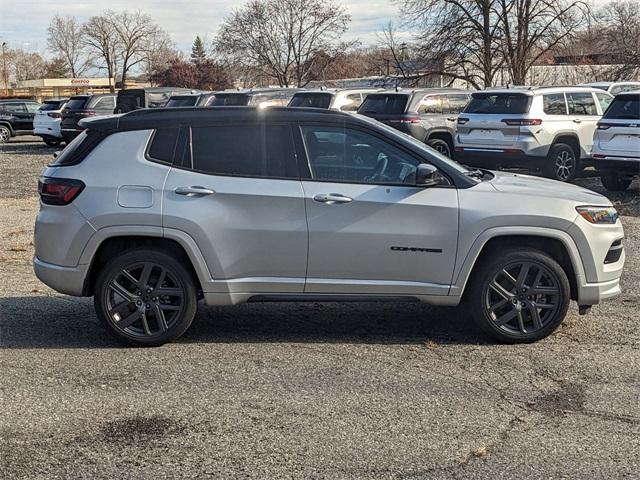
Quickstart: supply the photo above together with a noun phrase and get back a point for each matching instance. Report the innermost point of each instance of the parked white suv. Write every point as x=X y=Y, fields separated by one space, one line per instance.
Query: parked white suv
x=46 y=122
x=549 y=128
x=614 y=88
x=616 y=142
x=153 y=210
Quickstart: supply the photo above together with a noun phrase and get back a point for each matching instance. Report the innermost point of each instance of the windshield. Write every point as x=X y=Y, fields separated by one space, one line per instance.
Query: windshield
x=498 y=103
x=313 y=100
x=383 y=104
x=182 y=101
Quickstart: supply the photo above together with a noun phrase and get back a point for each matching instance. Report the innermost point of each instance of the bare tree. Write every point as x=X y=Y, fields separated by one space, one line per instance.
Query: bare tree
x=102 y=39
x=136 y=32
x=284 y=39
x=463 y=36
x=619 y=26
x=24 y=65
x=64 y=38
x=531 y=28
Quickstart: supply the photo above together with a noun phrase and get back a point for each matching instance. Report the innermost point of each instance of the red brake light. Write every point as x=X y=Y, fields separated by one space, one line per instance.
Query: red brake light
x=522 y=122
x=462 y=120
x=87 y=113
x=59 y=191
x=54 y=115
x=404 y=120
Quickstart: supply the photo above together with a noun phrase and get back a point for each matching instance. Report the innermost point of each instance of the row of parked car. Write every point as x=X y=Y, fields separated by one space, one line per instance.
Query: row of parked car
x=556 y=130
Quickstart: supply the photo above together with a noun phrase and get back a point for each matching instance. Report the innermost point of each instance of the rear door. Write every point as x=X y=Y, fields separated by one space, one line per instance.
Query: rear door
x=583 y=112
x=619 y=130
x=485 y=120
x=238 y=195
x=371 y=230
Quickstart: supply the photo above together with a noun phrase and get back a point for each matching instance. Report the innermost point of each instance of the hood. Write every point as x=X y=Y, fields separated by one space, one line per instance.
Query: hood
x=529 y=185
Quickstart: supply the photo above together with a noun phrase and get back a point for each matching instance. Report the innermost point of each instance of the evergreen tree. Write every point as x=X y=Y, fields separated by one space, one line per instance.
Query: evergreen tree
x=198 y=52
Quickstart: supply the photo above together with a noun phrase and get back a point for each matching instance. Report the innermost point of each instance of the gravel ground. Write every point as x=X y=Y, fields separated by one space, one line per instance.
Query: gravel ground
x=307 y=390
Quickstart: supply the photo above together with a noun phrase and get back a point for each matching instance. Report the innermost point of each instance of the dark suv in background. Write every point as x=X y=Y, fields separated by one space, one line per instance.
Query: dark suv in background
x=255 y=97
x=428 y=114
x=200 y=99
x=83 y=106
x=152 y=97
x=16 y=118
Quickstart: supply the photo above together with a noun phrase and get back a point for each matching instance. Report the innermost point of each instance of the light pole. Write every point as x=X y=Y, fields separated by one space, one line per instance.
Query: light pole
x=4 y=69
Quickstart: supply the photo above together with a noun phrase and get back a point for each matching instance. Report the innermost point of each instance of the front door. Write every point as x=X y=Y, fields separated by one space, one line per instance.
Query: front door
x=371 y=230
x=238 y=195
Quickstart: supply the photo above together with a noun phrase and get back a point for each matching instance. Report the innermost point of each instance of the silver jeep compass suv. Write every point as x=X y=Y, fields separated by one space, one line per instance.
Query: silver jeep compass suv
x=548 y=128
x=151 y=211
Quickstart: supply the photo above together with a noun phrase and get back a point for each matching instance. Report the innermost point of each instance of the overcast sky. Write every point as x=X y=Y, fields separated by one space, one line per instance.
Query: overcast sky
x=23 y=23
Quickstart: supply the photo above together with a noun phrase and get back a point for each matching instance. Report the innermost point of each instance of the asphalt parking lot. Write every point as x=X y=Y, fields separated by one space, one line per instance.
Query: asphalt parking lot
x=321 y=390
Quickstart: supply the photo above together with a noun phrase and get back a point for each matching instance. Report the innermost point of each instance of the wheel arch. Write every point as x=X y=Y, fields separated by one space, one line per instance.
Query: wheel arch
x=570 y=139
x=6 y=123
x=111 y=245
x=555 y=243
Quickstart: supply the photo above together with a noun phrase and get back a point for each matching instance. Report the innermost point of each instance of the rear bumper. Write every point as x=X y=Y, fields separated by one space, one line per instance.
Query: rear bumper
x=67 y=280
x=622 y=165
x=496 y=157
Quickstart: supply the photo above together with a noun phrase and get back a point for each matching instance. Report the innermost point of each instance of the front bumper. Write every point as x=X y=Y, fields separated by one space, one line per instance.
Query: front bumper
x=594 y=293
x=67 y=280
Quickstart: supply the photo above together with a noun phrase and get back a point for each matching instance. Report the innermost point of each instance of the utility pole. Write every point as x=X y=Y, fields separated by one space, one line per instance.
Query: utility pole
x=4 y=69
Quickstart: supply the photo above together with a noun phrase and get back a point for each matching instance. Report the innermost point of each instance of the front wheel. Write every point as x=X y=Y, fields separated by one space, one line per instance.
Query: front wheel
x=614 y=182
x=145 y=297
x=519 y=296
x=5 y=134
x=563 y=163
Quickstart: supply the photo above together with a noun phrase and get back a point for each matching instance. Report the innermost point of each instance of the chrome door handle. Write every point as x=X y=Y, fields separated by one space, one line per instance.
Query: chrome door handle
x=331 y=198
x=194 y=191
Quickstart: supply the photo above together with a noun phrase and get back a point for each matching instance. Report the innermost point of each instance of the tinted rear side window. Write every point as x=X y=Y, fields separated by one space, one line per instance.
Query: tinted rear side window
x=313 y=100
x=498 y=103
x=383 y=104
x=554 y=104
x=163 y=144
x=626 y=107
x=76 y=103
x=230 y=100
x=244 y=150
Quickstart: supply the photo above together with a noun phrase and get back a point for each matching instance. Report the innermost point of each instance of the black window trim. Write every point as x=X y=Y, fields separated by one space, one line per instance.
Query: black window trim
x=185 y=163
x=147 y=148
x=305 y=167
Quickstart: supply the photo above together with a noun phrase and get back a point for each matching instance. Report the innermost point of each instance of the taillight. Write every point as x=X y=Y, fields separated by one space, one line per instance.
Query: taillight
x=59 y=191
x=404 y=120
x=54 y=115
x=462 y=120
x=604 y=126
x=522 y=122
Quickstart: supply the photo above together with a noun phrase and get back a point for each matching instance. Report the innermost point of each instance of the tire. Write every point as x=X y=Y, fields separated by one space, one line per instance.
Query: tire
x=5 y=134
x=613 y=182
x=563 y=163
x=503 y=304
x=52 y=142
x=442 y=146
x=130 y=303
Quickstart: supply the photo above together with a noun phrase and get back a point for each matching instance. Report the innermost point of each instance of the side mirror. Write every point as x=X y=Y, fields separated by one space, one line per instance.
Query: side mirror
x=427 y=175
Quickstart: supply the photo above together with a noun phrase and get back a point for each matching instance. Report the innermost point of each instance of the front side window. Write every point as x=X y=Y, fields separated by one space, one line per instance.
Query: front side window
x=581 y=103
x=554 y=104
x=33 y=107
x=264 y=151
x=105 y=103
x=350 y=155
x=456 y=103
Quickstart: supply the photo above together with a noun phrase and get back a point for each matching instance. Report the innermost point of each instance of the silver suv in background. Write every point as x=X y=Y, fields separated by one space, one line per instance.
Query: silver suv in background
x=616 y=142
x=151 y=211
x=614 y=88
x=428 y=115
x=345 y=100
x=547 y=128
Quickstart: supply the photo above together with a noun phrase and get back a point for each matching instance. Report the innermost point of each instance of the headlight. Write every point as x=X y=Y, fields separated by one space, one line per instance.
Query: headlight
x=606 y=215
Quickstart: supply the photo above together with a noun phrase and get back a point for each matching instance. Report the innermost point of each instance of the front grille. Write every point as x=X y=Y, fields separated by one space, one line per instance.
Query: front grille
x=614 y=253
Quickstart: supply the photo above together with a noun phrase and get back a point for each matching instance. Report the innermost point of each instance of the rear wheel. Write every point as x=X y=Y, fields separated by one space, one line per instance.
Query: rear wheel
x=145 y=297
x=519 y=296
x=5 y=134
x=614 y=182
x=563 y=163
x=440 y=145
